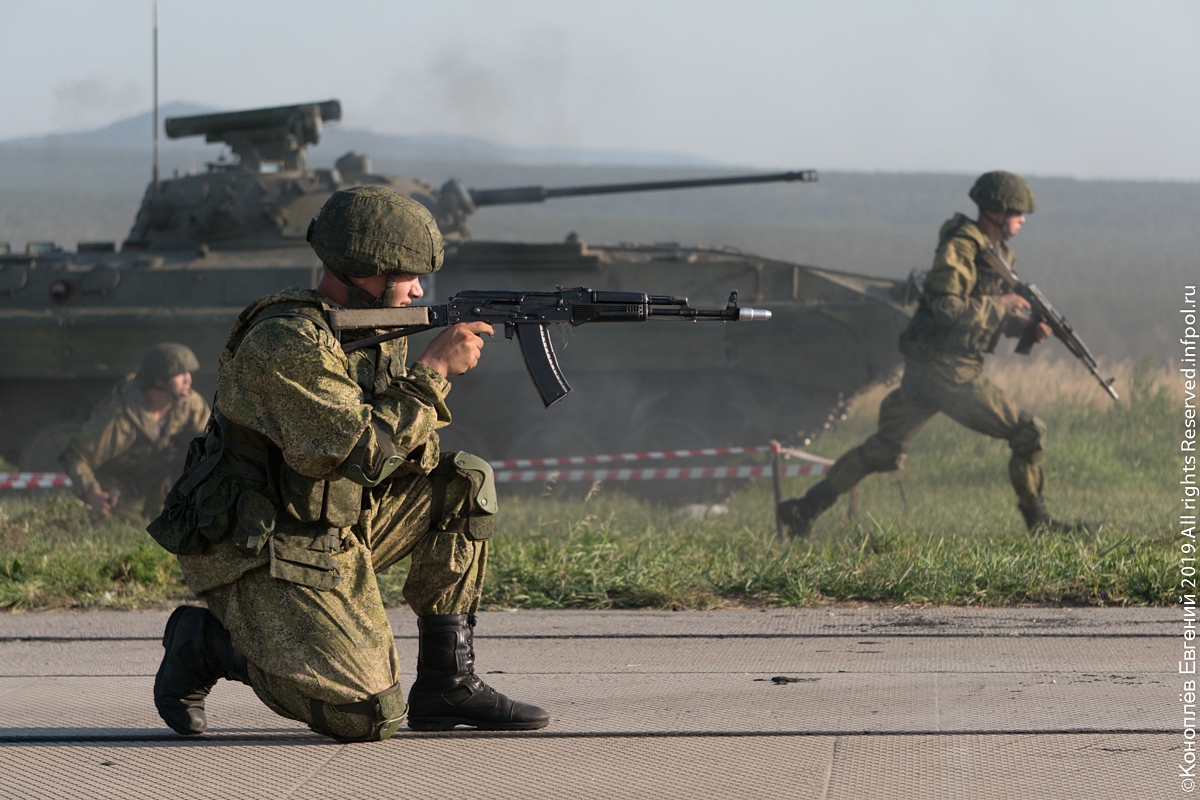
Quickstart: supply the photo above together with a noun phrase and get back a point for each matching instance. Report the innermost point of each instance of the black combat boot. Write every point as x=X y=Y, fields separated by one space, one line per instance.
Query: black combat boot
x=447 y=692
x=1038 y=519
x=198 y=652
x=799 y=515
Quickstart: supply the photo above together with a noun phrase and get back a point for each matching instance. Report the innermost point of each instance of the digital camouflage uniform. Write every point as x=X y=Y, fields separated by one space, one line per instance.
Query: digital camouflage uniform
x=123 y=447
x=319 y=469
x=959 y=319
x=303 y=638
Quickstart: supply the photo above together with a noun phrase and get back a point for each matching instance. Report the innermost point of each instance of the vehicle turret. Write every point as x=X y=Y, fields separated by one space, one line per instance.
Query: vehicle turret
x=266 y=195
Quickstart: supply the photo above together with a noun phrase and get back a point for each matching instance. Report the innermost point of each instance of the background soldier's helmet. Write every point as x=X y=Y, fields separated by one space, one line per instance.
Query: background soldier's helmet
x=369 y=230
x=164 y=361
x=1003 y=192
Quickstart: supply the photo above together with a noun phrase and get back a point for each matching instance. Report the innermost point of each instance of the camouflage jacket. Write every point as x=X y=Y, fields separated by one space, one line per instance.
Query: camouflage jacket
x=288 y=379
x=291 y=407
x=122 y=441
x=960 y=315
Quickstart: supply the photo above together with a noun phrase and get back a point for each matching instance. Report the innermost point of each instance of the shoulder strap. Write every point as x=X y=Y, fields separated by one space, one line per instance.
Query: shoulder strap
x=313 y=314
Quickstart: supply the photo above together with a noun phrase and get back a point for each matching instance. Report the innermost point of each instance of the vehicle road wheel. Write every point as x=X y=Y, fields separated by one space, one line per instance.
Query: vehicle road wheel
x=41 y=451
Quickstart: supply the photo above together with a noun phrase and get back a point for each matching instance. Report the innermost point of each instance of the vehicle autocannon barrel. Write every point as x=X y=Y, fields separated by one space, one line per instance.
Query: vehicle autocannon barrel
x=537 y=194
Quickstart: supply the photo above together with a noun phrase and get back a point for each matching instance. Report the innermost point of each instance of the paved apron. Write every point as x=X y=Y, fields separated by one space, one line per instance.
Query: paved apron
x=888 y=703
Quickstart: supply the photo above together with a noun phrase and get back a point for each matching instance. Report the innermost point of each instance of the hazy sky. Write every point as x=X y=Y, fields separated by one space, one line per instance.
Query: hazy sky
x=1084 y=89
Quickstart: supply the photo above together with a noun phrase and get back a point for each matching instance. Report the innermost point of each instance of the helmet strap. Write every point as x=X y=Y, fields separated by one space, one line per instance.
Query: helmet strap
x=358 y=297
x=389 y=293
x=1001 y=226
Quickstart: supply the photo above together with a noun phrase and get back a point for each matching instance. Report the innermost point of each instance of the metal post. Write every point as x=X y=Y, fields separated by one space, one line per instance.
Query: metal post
x=903 y=494
x=777 y=481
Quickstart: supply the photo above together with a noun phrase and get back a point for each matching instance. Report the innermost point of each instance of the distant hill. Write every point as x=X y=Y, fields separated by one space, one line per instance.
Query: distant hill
x=133 y=134
x=1112 y=255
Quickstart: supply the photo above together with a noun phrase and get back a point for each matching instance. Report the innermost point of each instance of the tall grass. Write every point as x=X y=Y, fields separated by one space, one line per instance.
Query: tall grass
x=952 y=536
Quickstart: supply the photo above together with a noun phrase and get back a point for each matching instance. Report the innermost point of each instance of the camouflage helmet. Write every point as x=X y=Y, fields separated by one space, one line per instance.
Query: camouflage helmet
x=373 y=230
x=164 y=361
x=1004 y=192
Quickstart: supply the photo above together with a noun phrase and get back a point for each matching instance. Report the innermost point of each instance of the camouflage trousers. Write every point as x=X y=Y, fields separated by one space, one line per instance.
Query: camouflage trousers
x=958 y=390
x=326 y=657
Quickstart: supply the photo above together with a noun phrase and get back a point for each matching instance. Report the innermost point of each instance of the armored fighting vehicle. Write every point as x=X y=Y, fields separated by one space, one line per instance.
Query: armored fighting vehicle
x=204 y=246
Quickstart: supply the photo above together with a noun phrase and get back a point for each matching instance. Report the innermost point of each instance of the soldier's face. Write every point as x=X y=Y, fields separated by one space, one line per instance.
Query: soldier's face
x=408 y=287
x=1011 y=225
x=180 y=385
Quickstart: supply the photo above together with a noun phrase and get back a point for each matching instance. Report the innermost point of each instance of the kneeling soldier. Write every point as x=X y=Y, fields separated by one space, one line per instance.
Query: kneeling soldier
x=132 y=445
x=319 y=469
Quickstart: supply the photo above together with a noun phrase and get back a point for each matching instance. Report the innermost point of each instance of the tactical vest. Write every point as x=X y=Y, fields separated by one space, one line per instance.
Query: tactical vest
x=236 y=481
x=924 y=339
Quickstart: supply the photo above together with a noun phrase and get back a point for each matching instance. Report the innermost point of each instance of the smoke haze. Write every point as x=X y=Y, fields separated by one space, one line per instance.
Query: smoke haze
x=1085 y=89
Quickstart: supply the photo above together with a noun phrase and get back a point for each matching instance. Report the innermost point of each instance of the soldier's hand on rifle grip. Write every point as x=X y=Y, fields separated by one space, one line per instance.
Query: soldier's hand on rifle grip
x=1015 y=305
x=1019 y=308
x=456 y=349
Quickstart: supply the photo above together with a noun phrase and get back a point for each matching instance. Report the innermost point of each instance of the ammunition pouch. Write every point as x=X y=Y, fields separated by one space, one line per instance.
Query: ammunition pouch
x=223 y=490
x=235 y=483
x=475 y=520
x=307 y=560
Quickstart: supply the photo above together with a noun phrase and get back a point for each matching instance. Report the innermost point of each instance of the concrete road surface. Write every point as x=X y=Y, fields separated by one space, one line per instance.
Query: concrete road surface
x=866 y=703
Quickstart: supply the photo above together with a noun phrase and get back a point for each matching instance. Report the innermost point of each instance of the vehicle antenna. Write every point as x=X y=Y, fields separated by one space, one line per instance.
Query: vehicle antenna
x=155 y=6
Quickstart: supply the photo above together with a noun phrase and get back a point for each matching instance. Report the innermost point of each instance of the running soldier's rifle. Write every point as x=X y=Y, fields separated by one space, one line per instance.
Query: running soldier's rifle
x=1042 y=311
x=527 y=315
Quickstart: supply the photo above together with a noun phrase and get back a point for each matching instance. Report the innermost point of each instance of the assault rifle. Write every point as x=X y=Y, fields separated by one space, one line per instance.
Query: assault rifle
x=527 y=315
x=1042 y=311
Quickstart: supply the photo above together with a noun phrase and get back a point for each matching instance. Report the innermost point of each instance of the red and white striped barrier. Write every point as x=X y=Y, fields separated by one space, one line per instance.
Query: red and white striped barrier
x=654 y=455
x=518 y=470
x=33 y=480
x=670 y=474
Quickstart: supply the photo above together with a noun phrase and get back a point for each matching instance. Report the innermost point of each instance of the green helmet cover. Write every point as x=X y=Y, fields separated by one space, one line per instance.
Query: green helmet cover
x=164 y=361
x=373 y=230
x=1004 y=192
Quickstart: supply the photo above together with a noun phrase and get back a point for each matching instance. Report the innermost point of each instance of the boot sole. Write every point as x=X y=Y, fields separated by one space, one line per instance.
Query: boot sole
x=450 y=723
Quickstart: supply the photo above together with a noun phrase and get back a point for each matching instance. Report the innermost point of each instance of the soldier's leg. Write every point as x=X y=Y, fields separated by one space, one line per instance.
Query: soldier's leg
x=317 y=641
x=901 y=417
x=443 y=524
x=198 y=651
x=981 y=406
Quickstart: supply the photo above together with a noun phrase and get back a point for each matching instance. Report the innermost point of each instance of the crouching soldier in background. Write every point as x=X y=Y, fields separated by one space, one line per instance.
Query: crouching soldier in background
x=963 y=311
x=319 y=469
x=132 y=447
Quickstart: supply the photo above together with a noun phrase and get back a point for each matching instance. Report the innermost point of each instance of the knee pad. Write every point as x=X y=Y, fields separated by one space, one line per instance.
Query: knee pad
x=475 y=519
x=1028 y=437
x=371 y=720
x=882 y=456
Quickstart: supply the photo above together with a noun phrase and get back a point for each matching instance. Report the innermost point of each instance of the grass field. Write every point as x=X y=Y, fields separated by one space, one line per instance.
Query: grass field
x=953 y=536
